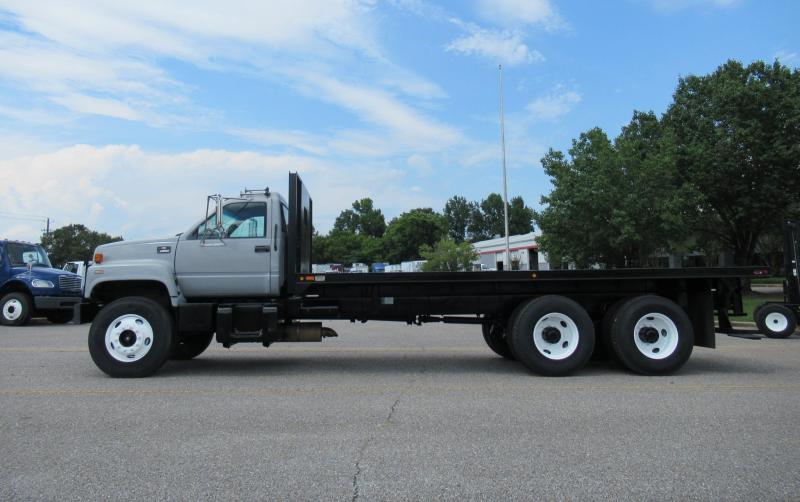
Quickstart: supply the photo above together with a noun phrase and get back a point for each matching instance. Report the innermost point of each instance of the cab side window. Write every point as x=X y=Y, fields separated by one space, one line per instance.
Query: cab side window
x=240 y=220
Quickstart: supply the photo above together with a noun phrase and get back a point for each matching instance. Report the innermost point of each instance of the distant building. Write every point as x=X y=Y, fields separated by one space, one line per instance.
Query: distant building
x=524 y=252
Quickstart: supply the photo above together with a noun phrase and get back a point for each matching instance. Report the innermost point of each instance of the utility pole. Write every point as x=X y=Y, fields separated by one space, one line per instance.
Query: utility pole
x=505 y=183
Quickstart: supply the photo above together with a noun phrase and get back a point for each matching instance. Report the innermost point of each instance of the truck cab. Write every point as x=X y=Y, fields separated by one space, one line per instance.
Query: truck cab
x=236 y=251
x=29 y=285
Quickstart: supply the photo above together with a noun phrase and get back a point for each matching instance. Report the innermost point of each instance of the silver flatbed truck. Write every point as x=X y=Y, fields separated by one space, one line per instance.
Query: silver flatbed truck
x=243 y=275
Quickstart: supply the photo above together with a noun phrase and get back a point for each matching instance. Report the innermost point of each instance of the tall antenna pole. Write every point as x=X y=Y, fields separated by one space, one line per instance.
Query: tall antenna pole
x=505 y=183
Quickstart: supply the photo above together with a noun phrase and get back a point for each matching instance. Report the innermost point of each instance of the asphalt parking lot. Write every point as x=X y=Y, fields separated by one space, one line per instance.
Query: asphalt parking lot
x=390 y=412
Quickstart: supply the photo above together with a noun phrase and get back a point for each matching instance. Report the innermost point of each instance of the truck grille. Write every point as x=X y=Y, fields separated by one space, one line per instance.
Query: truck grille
x=69 y=283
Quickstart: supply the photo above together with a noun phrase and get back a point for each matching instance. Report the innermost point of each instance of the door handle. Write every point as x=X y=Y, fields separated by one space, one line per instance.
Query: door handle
x=262 y=249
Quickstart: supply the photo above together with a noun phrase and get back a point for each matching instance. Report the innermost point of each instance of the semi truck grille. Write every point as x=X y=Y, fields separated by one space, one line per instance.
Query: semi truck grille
x=69 y=283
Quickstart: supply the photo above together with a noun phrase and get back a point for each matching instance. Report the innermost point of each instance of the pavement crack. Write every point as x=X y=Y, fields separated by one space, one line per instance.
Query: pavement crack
x=392 y=410
x=358 y=469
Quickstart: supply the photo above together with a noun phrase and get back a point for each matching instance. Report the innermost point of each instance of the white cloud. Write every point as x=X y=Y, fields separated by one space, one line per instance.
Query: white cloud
x=105 y=57
x=97 y=106
x=296 y=140
x=501 y=46
x=123 y=189
x=553 y=105
x=520 y=12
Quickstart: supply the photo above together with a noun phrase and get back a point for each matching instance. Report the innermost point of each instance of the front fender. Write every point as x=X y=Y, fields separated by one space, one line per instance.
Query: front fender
x=134 y=270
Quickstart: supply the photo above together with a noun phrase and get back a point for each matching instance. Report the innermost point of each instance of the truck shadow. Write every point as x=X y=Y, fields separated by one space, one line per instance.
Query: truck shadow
x=364 y=365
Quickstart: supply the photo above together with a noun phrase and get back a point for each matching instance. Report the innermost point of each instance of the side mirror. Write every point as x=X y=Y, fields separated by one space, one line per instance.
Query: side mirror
x=218 y=220
x=217 y=231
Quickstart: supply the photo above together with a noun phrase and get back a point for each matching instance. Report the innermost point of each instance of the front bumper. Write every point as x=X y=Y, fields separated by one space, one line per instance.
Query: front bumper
x=56 y=302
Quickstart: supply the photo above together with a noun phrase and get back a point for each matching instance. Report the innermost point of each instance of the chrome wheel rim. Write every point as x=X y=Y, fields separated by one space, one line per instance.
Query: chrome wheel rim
x=12 y=309
x=129 y=338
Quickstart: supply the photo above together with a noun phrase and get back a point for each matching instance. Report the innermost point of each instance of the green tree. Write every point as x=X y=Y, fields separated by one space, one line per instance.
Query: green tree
x=616 y=204
x=73 y=243
x=575 y=220
x=345 y=248
x=488 y=218
x=737 y=142
x=363 y=219
x=448 y=256
x=408 y=232
x=458 y=214
x=520 y=217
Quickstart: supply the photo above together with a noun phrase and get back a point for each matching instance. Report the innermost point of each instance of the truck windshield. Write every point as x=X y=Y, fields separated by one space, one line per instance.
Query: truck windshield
x=239 y=220
x=19 y=255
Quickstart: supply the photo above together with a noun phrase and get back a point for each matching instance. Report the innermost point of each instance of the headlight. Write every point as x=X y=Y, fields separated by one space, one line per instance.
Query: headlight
x=41 y=283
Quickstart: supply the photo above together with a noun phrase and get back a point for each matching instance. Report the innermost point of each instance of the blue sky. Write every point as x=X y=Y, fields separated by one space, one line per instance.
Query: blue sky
x=125 y=115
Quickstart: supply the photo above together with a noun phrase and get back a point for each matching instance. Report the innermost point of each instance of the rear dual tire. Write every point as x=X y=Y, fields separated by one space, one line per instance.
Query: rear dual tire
x=651 y=335
x=495 y=336
x=551 y=335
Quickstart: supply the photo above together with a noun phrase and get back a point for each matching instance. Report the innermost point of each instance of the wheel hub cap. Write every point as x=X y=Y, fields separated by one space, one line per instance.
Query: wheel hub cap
x=12 y=310
x=556 y=336
x=551 y=334
x=129 y=338
x=648 y=335
x=776 y=322
x=656 y=336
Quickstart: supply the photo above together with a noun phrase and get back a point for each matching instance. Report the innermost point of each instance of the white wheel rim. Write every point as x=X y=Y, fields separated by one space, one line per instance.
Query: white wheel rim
x=664 y=329
x=556 y=336
x=776 y=322
x=12 y=309
x=129 y=338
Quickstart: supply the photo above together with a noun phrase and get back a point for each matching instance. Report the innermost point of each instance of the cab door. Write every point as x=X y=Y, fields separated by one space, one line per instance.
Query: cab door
x=234 y=261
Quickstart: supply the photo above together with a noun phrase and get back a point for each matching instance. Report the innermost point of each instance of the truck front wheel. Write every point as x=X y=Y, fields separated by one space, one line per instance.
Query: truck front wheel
x=16 y=309
x=552 y=335
x=190 y=346
x=131 y=337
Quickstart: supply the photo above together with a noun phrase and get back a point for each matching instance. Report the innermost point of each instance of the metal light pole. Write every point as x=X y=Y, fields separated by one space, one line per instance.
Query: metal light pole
x=505 y=183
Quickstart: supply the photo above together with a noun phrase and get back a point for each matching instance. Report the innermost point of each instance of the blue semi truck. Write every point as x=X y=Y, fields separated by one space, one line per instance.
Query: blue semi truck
x=29 y=285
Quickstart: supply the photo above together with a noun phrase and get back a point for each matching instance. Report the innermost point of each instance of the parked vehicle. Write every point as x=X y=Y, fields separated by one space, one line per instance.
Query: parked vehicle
x=327 y=268
x=412 y=266
x=77 y=267
x=359 y=268
x=30 y=286
x=167 y=298
x=378 y=267
x=780 y=319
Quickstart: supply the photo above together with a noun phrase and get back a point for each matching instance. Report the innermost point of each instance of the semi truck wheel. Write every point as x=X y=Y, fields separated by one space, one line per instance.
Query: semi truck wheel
x=552 y=335
x=495 y=336
x=190 y=346
x=652 y=335
x=131 y=337
x=775 y=320
x=17 y=309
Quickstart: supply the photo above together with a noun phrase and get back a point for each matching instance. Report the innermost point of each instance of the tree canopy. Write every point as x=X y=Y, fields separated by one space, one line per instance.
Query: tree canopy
x=737 y=142
x=448 y=256
x=73 y=243
x=409 y=231
x=363 y=219
x=715 y=172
